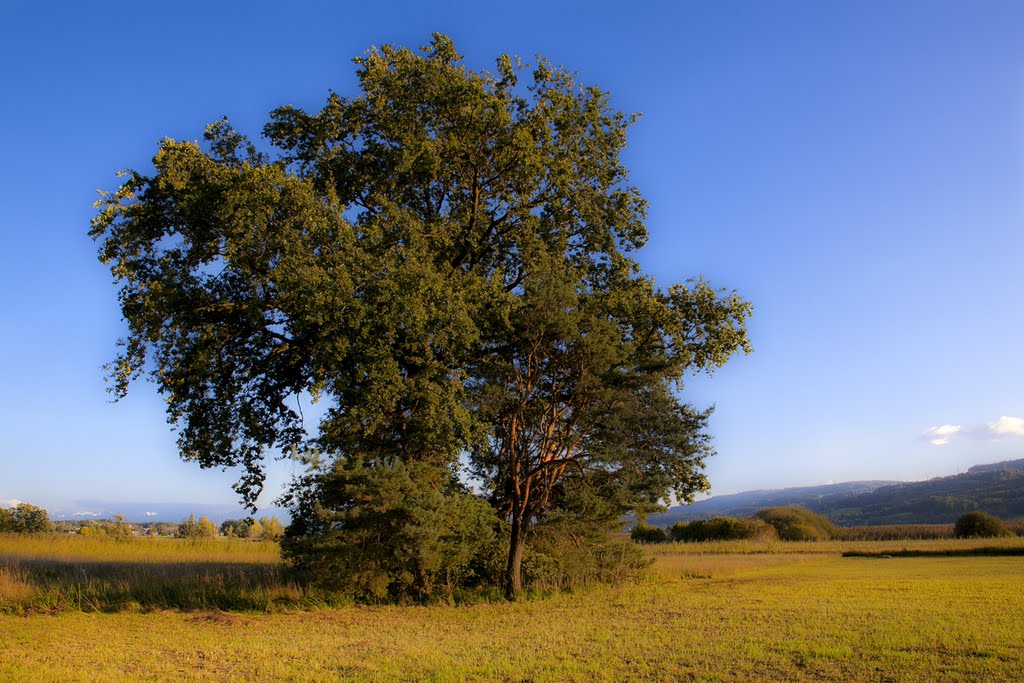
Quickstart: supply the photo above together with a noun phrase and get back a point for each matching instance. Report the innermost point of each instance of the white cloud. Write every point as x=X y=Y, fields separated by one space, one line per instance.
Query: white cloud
x=1003 y=427
x=12 y=503
x=87 y=514
x=152 y=514
x=940 y=436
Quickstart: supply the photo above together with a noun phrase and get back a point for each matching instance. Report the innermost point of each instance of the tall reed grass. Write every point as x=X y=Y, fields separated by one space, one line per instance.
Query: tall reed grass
x=76 y=548
x=54 y=572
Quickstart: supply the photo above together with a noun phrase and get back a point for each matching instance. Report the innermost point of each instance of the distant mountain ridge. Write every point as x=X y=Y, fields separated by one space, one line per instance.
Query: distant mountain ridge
x=161 y=512
x=997 y=488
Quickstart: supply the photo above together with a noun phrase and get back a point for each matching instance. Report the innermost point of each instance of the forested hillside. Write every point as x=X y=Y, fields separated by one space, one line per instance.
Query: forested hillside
x=997 y=488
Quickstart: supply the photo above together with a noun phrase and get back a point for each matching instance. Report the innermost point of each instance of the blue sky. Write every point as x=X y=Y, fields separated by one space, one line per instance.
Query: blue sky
x=855 y=169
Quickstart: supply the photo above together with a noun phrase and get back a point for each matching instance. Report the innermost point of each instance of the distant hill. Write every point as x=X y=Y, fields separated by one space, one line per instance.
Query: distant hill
x=747 y=503
x=997 y=488
x=1005 y=465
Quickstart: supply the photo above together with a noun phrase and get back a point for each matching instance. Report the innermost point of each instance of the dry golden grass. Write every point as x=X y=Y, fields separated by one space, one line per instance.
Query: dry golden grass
x=57 y=572
x=136 y=549
x=15 y=587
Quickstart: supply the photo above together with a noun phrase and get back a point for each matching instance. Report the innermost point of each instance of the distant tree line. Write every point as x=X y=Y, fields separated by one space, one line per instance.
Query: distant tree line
x=28 y=518
x=264 y=528
x=795 y=523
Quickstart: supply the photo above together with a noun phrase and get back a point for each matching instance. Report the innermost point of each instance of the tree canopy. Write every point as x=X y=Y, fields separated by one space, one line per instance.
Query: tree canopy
x=24 y=518
x=446 y=259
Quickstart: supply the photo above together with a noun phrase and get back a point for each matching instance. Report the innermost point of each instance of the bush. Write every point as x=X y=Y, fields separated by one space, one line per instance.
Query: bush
x=645 y=533
x=795 y=523
x=552 y=562
x=389 y=530
x=722 y=529
x=979 y=525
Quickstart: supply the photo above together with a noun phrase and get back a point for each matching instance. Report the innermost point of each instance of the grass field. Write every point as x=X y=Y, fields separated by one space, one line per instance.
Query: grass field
x=716 y=611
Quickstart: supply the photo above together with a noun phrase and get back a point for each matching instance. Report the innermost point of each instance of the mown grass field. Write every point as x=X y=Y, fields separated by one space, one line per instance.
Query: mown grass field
x=715 y=611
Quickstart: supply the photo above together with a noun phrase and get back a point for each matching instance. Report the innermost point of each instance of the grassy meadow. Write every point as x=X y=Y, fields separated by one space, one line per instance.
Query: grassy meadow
x=159 y=609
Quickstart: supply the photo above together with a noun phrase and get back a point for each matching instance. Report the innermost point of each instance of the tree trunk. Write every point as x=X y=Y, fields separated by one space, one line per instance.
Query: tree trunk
x=514 y=573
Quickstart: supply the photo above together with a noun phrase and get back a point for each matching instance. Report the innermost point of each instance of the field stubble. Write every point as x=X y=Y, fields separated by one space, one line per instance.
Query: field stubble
x=714 y=611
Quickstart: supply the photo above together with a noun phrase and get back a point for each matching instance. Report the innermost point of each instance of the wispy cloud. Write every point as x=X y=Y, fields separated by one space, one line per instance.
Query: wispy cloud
x=940 y=435
x=1003 y=428
x=12 y=503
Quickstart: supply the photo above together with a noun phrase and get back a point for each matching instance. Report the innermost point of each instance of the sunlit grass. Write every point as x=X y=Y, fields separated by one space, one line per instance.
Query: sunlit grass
x=77 y=548
x=49 y=573
x=831 y=547
x=718 y=612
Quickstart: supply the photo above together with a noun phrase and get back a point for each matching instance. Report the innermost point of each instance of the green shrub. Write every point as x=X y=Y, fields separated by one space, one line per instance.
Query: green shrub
x=979 y=525
x=645 y=533
x=795 y=523
x=722 y=529
x=389 y=530
x=556 y=560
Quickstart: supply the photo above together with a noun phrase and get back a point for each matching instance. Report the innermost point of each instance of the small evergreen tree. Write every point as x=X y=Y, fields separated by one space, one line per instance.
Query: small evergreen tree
x=388 y=529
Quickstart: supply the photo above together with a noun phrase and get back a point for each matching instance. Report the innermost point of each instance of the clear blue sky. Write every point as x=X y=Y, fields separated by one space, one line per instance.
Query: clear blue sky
x=856 y=169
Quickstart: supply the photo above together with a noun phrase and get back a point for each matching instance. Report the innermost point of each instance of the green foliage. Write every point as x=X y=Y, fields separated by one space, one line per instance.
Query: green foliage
x=234 y=528
x=271 y=529
x=553 y=561
x=190 y=528
x=979 y=525
x=24 y=518
x=117 y=527
x=389 y=530
x=448 y=258
x=794 y=523
x=722 y=529
x=645 y=533
x=265 y=528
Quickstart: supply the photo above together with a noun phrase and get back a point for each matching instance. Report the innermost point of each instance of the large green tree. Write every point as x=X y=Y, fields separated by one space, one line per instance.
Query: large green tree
x=445 y=257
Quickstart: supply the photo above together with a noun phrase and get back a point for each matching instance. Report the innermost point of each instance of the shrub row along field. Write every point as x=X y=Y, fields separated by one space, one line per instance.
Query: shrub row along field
x=736 y=610
x=795 y=523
